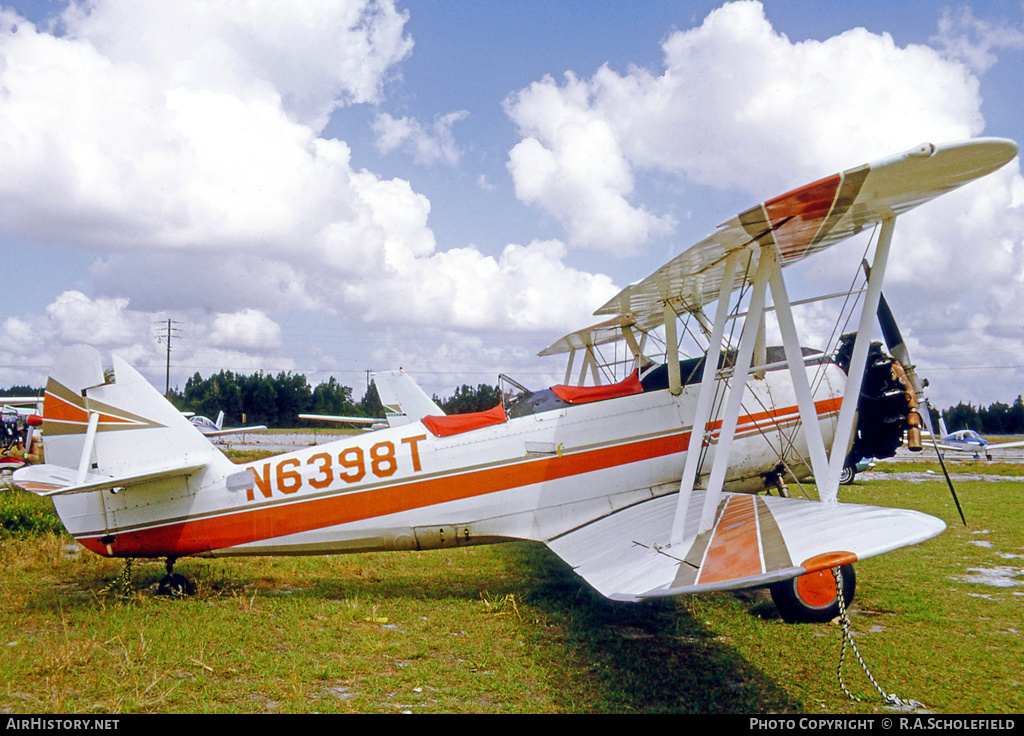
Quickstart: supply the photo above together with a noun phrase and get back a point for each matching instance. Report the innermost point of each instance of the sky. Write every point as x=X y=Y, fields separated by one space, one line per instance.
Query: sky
x=331 y=187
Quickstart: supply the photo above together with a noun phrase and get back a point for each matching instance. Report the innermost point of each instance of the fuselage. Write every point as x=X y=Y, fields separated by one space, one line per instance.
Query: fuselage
x=530 y=477
x=968 y=438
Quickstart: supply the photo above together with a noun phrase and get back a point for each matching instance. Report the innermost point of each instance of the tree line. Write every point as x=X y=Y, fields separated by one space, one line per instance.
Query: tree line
x=997 y=418
x=273 y=400
x=278 y=400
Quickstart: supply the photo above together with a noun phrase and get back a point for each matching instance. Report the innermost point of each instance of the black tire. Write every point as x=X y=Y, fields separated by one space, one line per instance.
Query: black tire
x=176 y=586
x=847 y=476
x=796 y=606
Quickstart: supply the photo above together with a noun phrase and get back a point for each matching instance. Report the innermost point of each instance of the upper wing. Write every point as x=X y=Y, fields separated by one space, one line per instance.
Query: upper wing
x=603 y=332
x=756 y=540
x=801 y=222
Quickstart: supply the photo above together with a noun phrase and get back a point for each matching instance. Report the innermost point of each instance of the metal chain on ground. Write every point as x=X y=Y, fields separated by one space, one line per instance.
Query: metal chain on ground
x=844 y=621
x=122 y=584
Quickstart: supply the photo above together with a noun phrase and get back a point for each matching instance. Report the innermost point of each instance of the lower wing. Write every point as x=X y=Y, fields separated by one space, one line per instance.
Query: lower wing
x=755 y=541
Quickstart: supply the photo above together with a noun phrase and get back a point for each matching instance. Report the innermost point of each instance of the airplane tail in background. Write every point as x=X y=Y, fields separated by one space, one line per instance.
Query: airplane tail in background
x=942 y=427
x=401 y=395
x=115 y=424
x=220 y=421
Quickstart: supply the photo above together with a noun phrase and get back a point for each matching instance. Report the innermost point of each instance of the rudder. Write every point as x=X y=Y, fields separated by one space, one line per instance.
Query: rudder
x=126 y=423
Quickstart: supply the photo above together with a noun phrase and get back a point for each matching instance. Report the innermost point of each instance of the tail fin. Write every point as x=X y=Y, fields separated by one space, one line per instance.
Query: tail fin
x=115 y=424
x=220 y=421
x=942 y=427
x=401 y=395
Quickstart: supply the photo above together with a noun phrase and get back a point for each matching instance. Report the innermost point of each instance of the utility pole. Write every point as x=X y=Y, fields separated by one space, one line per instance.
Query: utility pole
x=167 y=331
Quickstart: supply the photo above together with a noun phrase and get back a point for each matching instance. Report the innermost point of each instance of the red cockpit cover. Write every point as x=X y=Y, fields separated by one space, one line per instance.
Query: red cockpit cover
x=586 y=394
x=445 y=426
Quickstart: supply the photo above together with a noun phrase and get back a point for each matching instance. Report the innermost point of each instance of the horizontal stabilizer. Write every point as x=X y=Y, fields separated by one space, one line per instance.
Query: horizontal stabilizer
x=54 y=480
x=756 y=540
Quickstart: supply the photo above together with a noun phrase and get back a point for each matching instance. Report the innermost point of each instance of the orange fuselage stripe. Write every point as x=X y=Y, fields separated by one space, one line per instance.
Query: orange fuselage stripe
x=200 y=535
x=248 y=525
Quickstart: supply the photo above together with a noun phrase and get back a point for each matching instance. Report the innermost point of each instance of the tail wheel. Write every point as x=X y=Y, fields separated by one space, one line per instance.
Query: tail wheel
x=812 y=598
x=175 y=585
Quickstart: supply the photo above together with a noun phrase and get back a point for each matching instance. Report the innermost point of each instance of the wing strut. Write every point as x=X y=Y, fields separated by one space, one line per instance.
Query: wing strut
x=675 y=381
x=829 y=489
x=798 y=373
x=705 y=398
x=751 y=327
x=825 y=466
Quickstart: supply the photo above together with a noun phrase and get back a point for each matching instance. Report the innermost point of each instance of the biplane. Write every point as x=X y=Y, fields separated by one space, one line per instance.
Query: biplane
x=652 y=484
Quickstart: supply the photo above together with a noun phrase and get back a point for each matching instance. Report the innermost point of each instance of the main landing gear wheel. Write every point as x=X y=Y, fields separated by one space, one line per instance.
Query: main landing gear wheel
x=175 y=585
x=846 y=477
x=812 y=598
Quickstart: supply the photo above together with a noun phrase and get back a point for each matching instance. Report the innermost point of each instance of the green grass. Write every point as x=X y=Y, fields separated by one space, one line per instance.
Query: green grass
x=505 y=629
x=954 y=466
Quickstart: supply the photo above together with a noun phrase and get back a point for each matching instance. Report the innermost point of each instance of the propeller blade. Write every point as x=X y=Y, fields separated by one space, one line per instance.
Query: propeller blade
x=898 y=349
x=891 y=334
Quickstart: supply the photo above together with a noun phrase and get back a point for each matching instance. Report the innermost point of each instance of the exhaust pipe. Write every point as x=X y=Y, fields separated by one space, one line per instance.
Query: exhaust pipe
x=914 y=420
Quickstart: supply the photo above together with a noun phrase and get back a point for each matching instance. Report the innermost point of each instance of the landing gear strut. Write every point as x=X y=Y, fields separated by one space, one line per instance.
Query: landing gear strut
x=812 y=598
x=173 y=584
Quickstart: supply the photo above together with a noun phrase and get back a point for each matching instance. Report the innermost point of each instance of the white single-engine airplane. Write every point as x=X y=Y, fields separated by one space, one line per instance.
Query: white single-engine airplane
x=211 y=428
x=647 y=486
x=401 y=397
x=967 y=440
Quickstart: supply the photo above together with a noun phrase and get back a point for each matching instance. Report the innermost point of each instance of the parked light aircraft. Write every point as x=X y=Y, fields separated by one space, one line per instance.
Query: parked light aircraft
x=211 y=428
x=401 y=397
x=967 y=440
x=646 y=486
x=20 y=420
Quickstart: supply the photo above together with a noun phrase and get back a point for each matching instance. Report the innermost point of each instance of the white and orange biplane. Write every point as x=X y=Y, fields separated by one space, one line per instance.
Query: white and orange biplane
x=647 y=486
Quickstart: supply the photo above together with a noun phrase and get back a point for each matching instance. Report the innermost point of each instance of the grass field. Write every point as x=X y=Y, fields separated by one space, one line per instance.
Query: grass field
x=506 y=629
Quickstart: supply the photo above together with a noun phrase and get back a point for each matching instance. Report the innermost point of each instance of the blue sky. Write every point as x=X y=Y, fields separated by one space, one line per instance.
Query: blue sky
x=331 y=187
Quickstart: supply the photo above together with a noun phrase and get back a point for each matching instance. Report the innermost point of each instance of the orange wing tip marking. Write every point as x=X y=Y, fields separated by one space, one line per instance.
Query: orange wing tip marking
x=828 y=560
x=817 y=587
